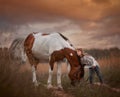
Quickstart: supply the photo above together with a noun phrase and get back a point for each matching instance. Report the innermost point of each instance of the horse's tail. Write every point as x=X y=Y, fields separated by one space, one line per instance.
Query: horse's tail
x=16 y=50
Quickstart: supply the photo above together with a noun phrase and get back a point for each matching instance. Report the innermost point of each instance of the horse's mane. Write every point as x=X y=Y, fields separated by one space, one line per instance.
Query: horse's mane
x=63 y=36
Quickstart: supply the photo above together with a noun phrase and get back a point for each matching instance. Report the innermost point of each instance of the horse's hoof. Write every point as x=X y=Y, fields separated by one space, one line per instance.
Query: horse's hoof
x=49 y=86
x=60 y=88
x=36 y=84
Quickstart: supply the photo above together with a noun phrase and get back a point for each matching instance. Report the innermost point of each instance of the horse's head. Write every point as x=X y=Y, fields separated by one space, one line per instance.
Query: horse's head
x=77 y=70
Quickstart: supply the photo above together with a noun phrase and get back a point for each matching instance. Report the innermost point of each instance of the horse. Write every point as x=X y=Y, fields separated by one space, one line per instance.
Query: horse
x=52 y=47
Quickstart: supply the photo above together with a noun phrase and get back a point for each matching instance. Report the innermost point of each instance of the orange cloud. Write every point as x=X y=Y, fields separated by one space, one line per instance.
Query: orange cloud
x=96 y=19
x=73 y=9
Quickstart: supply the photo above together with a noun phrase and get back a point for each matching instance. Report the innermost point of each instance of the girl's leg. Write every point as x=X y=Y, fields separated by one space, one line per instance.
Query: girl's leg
x=97 y=70
x=91 y=72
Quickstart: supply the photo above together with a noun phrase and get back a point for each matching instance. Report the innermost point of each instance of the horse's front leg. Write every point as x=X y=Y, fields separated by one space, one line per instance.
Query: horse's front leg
x=59 y=75
x=68 y=67
x=50 y=78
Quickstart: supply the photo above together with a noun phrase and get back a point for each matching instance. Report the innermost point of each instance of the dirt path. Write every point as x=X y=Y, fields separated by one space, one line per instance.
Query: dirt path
x=60 y=93
x=109 y=87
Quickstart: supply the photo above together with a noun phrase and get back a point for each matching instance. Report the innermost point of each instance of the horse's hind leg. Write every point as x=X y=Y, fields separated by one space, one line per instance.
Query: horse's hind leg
x=34 y=76
x=34 y=62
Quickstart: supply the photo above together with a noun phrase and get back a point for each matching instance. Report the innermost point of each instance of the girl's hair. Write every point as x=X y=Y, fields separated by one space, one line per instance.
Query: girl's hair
x=80 y=49
x=83 y=53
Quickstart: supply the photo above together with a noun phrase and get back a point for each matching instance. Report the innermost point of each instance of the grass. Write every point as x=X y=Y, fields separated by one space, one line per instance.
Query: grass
x=14 y=83
x=17 y=84
x=110 y=68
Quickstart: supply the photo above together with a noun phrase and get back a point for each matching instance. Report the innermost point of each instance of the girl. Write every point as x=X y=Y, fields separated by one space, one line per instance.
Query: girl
x=91 y=63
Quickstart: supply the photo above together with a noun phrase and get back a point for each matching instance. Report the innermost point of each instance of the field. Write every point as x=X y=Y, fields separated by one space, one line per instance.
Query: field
x=16 y=80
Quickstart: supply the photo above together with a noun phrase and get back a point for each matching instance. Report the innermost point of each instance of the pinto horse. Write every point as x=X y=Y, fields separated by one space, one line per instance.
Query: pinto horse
x=52 y=47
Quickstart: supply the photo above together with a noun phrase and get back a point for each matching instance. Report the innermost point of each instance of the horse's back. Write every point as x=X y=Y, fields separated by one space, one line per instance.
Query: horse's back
x=45 y=44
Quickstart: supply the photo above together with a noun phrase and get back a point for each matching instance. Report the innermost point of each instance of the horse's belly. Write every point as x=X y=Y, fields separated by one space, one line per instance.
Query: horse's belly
x=40 y=54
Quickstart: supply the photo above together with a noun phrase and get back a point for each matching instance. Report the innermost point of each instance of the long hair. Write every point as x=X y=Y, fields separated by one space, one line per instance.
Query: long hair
x=82 y=51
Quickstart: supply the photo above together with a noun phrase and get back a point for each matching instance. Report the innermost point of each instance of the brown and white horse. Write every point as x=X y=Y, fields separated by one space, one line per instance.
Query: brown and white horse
x=52 y=47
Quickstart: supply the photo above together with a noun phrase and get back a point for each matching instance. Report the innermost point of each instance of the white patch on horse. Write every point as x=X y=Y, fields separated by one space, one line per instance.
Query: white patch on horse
x=71 y=54
x=45 y=45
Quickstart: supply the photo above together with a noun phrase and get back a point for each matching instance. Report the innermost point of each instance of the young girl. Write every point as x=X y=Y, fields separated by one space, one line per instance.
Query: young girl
x=91 y=63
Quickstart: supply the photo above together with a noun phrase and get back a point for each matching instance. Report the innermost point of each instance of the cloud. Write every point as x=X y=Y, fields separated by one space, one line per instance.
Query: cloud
x=22 y=11
x=89 y=20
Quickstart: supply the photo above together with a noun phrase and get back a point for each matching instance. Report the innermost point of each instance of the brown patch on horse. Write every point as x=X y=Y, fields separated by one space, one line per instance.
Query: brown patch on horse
x=77 y=70
x=44 y=34
x=28 y=44
x=55 y=57
x=71 y=55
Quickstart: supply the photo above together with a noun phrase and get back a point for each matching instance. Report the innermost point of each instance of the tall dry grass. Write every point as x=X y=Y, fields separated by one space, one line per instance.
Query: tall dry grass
x=110 y=67
x=16 y=79
x=14 y=83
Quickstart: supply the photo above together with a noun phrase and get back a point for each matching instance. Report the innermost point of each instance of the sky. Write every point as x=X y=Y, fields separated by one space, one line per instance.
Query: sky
x=87 y=23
